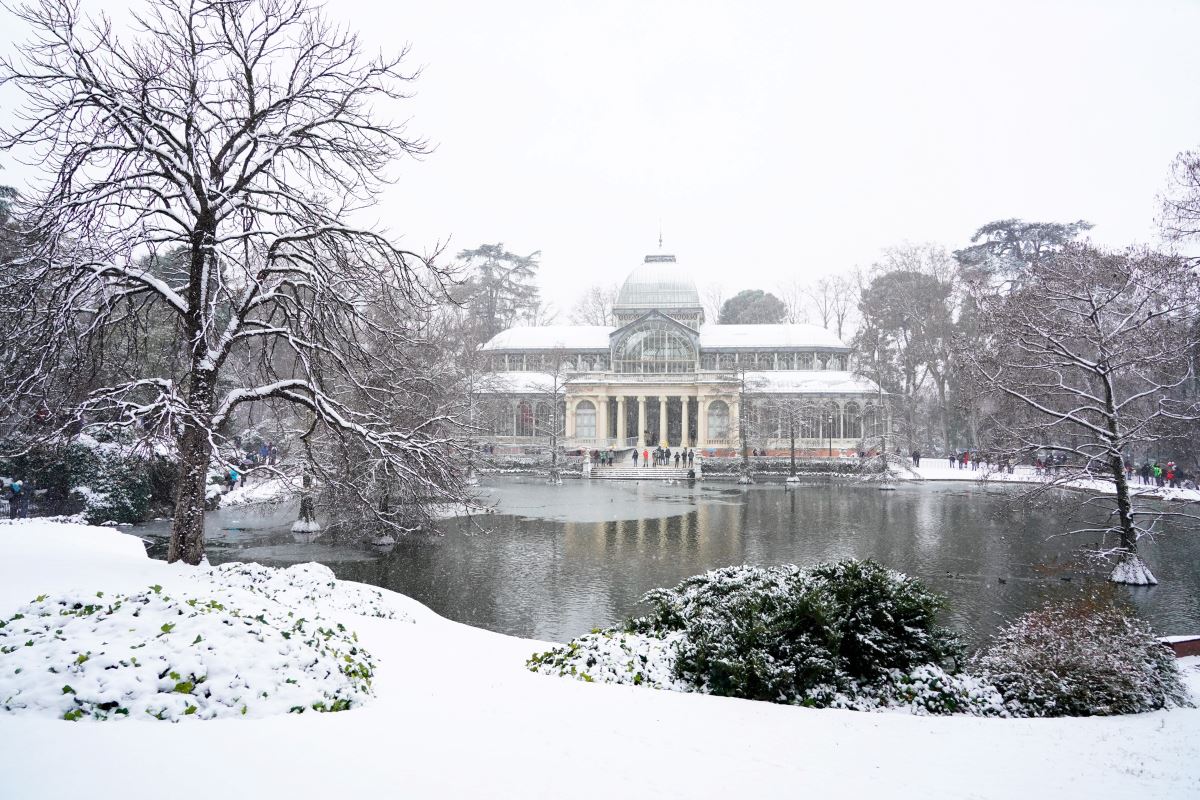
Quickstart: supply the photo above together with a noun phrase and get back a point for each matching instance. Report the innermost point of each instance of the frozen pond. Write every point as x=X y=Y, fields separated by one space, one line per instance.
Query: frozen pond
x=556 y=561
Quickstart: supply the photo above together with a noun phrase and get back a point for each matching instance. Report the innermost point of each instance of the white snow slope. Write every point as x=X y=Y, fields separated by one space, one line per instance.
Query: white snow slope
x=456 y=714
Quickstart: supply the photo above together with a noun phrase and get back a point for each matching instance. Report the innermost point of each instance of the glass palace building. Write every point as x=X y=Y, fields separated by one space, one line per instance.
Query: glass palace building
x=664 y=376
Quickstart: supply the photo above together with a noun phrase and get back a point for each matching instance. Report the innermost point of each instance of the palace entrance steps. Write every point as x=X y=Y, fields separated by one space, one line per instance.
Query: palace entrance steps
x=629 y=472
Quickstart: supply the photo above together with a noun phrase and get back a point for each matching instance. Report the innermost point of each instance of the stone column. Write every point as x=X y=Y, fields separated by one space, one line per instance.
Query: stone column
x=662 y=420
x=621 y=435
x=569 y=422
x=641 y=431
x=683 y=404
x=701 y=421
x=602 y=421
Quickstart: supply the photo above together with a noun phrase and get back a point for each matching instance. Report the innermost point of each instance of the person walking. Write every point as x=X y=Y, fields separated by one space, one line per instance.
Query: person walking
x=15 y=497
x=677 y=461
x=264 y=452
x=691 y=455
x=635 y=457
x=645 y=458
x=1145 y=473
x=916 y=458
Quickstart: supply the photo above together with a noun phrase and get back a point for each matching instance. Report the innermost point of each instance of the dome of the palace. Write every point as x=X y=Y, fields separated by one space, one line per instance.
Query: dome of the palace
x=658 y=283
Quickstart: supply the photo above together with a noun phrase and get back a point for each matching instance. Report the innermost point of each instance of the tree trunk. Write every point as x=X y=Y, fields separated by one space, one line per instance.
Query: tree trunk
x=195 y=453
x=792 y=434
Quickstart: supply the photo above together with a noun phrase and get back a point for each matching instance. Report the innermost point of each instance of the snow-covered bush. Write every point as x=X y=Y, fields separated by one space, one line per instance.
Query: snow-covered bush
x=783 y=634
x=790 y=634
x=96 y=478
x=616 y=656
x=150 y=655
x=1084 y=658
x=309 y=583
x=926 y=689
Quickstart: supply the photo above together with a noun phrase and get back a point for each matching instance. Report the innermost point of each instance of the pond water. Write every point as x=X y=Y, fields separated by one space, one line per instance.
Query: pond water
x=556 y=561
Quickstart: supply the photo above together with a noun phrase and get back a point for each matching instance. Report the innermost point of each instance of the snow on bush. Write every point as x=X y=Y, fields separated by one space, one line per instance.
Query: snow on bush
x=1085 y=658
x=311 y=583
x=154 y=655
x=616 y=656
x=851 y=634
x=927 y=689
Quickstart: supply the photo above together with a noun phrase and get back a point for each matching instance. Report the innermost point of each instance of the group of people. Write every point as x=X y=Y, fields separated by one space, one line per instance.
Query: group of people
x=1155 y=474
x=18 y=499
x=975 y=460
x=265 y=455
x=663 y=456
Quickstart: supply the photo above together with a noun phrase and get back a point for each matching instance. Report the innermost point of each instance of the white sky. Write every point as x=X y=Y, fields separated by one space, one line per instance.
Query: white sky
x=778 y=140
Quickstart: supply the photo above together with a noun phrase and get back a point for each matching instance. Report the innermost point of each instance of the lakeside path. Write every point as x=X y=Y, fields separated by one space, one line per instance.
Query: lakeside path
x=940 y=470
x=458 y=715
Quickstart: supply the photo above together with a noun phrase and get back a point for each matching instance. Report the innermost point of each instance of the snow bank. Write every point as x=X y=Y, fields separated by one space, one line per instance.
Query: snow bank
x=458 y=715
x=255 y=491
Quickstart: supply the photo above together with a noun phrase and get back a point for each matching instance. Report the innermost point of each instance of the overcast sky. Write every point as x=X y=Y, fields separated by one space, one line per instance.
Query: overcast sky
x=783 y=140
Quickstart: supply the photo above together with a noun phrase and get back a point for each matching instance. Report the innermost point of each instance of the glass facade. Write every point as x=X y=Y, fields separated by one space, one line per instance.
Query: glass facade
x=657 y=347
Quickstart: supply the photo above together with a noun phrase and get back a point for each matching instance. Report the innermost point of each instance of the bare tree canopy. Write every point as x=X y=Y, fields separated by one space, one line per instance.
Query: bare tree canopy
x=1089 y=360
x=1180 y=218
x=595 y=306
x=207 y=167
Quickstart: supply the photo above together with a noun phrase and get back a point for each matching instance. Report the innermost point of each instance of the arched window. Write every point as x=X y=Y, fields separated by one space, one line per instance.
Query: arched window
x=543 y=420
x=504 y=417
x=654 y=348
x=804 y=361
x=718 y=420
x=831 y=421
x=524 y=418
x=585 y=419
x=787 y=360
x=810 y=423
x=852 y=427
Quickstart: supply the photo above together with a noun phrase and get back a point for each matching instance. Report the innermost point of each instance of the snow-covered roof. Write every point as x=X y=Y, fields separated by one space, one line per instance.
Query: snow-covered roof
x=765 y=336
x=552 y=337
x=809 y=382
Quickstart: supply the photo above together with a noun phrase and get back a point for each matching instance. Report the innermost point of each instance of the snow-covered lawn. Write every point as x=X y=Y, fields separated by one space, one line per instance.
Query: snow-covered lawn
x=939 y=469
x=455 y=713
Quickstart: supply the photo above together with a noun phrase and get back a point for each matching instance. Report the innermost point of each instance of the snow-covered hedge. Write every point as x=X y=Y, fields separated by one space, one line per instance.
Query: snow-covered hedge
x=1086 y=658
x=851 y=634
x=248 y=641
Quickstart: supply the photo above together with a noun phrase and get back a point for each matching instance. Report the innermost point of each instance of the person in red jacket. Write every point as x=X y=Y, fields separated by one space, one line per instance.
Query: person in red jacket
x=645 y=458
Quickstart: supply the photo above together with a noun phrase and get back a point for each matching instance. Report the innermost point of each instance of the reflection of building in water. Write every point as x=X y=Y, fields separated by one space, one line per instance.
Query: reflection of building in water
x=664 y=376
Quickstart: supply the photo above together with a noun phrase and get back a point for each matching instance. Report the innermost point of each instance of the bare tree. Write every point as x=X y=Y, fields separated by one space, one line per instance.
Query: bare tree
x=794 y=296
x=1180 y=214
x=1088 y=352
x=538 y=313
x=595 y=306
x=713 y=298
x=245 y=136
x=554 y=372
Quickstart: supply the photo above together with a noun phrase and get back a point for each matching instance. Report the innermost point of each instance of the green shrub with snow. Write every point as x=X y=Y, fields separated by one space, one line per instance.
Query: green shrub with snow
x=150 y=655
x=827 y=635
x=1089 y=657
x=96 y=478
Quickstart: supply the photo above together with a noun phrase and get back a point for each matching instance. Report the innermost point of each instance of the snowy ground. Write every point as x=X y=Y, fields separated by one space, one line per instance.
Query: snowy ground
x=940 y=470
x=456 y=714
